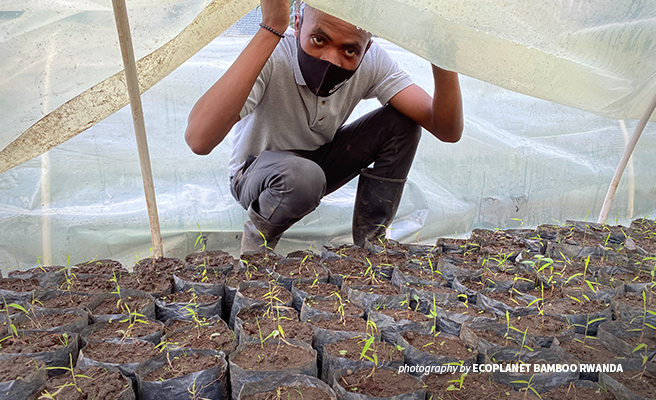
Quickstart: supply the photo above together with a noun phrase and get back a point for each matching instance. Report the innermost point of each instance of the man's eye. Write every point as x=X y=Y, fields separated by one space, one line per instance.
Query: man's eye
x=350 y=53
x=317 y=41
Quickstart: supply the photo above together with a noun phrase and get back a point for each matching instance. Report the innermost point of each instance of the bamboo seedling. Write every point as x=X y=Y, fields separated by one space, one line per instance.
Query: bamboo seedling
x=642 y=345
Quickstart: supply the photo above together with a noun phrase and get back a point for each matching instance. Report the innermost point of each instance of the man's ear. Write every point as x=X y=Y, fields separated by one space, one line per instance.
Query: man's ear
x=297 y=25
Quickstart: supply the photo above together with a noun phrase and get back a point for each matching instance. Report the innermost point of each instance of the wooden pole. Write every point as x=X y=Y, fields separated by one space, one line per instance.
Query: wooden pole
x=125 y=39
x=605 y=208
x=631 y=171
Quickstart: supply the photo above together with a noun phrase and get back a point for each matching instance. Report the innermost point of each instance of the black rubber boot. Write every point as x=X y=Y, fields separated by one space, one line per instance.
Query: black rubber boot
x=260 y=235
x=376 y=202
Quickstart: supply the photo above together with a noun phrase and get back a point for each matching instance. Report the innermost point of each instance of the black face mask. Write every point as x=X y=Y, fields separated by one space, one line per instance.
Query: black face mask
x=322 y=77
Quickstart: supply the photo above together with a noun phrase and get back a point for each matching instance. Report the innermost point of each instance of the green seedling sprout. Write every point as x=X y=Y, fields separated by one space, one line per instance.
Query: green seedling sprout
x=642 y=345
x=460 y=382
x=528 y=387
x=53 y=396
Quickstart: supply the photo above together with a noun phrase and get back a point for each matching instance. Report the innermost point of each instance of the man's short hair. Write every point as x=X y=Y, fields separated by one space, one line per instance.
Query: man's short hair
x=299 y=6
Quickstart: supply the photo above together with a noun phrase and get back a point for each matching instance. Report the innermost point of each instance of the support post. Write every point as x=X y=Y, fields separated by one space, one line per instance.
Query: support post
x=605 y=208
x=125 y=39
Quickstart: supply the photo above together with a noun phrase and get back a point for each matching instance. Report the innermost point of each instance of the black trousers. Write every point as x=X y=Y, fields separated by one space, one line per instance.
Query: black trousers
x=284 y=186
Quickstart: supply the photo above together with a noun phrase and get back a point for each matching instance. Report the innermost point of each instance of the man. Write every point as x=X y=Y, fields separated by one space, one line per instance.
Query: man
x=290 y=96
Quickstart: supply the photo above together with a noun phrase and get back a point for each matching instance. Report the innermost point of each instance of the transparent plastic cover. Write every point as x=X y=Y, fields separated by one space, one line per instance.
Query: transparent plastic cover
x=523 y=160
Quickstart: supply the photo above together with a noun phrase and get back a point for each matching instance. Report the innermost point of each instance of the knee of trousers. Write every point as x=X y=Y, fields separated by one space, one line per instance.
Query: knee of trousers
x=304 y=186
x=401 y=127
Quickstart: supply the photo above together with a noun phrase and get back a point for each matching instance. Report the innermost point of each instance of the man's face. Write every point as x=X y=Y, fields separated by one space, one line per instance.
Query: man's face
x=332 y=39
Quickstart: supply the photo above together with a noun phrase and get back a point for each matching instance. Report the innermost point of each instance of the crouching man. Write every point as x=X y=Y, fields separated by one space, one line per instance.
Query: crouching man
x=289 y=95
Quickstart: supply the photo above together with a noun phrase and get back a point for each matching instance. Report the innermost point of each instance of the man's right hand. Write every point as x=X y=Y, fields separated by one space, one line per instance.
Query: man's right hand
x=275 y=14
x=218 y=109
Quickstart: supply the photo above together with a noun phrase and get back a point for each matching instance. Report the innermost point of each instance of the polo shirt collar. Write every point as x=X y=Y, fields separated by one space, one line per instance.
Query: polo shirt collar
x=298 y=75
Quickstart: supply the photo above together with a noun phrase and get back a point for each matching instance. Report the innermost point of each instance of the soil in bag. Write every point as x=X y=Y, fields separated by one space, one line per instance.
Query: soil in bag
x=20 y=377
x=89 y=383
x=181 y=374
x=254 y=362
x=291 y=387
x=377 y=383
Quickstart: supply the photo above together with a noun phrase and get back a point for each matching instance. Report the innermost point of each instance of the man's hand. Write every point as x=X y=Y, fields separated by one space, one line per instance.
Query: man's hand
x=217 y=111
x=275 y=14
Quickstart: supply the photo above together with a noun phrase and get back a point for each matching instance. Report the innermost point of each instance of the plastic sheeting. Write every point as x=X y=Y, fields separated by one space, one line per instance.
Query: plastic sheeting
x=521 y=161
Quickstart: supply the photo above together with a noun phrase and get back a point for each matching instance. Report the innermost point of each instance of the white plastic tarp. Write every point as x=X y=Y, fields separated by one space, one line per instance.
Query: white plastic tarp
x=521 y=158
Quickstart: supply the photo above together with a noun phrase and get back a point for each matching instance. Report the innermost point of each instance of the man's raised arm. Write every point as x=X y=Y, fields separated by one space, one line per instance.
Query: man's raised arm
x=441 y=115
x=215 y=113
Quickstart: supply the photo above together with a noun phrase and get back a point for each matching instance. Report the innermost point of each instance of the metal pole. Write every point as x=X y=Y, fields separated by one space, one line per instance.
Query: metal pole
x=603 y=215
x=125 y=39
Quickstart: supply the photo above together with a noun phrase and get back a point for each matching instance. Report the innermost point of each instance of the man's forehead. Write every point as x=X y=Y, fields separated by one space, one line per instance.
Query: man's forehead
x=316 y=19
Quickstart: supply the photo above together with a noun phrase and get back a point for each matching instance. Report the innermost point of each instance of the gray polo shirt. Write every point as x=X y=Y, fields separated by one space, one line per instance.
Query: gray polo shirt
x=281 y=113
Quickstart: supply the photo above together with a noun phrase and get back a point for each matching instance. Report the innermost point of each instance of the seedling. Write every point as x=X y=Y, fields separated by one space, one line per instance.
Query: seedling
x=642 y=345
x=528 y=387
x=132 y=319
x=53 y=396
x=459 y=382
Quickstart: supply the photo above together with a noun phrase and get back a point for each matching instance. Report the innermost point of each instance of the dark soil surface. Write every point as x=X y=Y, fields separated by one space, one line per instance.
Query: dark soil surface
x=383 y=383
x=50 y=320
x=35 y=342
x=167 y=266
x=118 y=329
x=260 y=261
x=507 y=298
x=570 y=306
x=439 y=345
x=273 y=293
x=347 y=324
x=643 y=385
x=296 y=330
x=19 y=285
x=382 y=288
x=38 y=270
x=345 y=266
x=590 y=352
x=350 y=252
x=249 y=313
x=425 y=274
x=469 y=311
x=215 y=337
x=332 y=305
x=539 y=325
x=474 y=386
x=291 y=393
x=299 y=268
x=202 y=275
x=91 y=284
x=386 y=259
x=111 y=305
x=408 y=314
x=183 y=365
x=352 y=349
x=498 y=339
x=67 y=300
x=100 y=267
x=578 y=393
x=93 y=383
x=234 y=277
x=117 y=353
x=210 y=259
x=271 y=357
x=18 y=367
x=148 y=281
x=434 y=289
x=635 y=300
x=186 y=297
x=319 y=289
